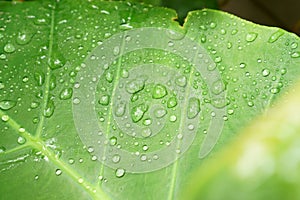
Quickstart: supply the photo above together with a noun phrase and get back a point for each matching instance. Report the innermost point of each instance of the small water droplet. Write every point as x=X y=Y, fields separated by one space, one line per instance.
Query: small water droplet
x=57 y=60
x=159 y=113
x=7 y=104
x=40 y=78
x=113 y=140
x=21 y=140
x=181 y=81
x=116 y=158
x=145 y=147
x=295 y=54
x=250 y=37
x=104 y=100
x=250 y=103
x=24 y=37
x=274 y=90
x=265 y=72
x=275 y=36
x=147 y=122
x=49 y=109
x=212 y=25
x=138 y=112
x=146 y=132
x=283 y=71
x=294 y=45
x=116 y=50
x=58 y=172
x=242 y=65
x=120 y=109
x=173 y=118
x=172 y=102
x=120 y=172
x=66 y=93
x=218 y=87
x=109 y=77
x=218 y=59
x=124 y=73
x=76 y=100
x=170 y=43
x=135 y=86
x=5 y=118
x=9 y=48
x=80 y=180
x=2 y=149
x=71 y=161
x=193 y=107
x=159 y=91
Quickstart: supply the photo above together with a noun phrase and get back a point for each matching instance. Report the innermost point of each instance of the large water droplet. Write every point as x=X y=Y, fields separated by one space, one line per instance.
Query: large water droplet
x=7 y=104
x=21 y=140
x=138 y=112
x=135 y=86
x=24 y=37
x=120 y=109
x=275 y=36
x=181 y=81
x=49 y=109
x=159 y=91
x=113 y=140
x=9 y=48
x=57 y=60
x=109 y=77
x=104 y=100
x=120 y=172
x=66 y=93
x=250 y=37
x=193 y=107
x=295 y=54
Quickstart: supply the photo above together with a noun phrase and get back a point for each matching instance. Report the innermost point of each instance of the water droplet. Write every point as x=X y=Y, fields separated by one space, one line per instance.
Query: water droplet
x=243 y=65
x=274 y=90
x=230 y=111
x=52 y=82
x=40 y=78
x=116 y=50
x=218 y=87
x=80 y=180
x=173 y=118
x=294 y=45
x=2 y=56
x=104 y=100
x=135 y=86
x=109 y=77
x=147 y=122
x=181 y=81
x=174 y=35
x=57 y=60
x=120 y=109
x=90 y=149
x=218 y=59
x=5 y=118
x=146 y=132
x=138 y=112
x=159 y=113
x=116 y=158
x=7 y=104
x=21 y=140
x=2 y=149
x=193 y=107
x=250 y=103
x=212 y=25
x=295 y=54
x=145 y=147
x=275 y=36
x=250 y=37
x=58 y=172
x=170 y=43
x=113 y=140
x=283 y=71
x=124 y=73
x=66 y=93
x=9 y=48
x=265 y=72
x=143 y=157
x=159 y=91
x=24 y=37
x=172 y=102
x=203 y=38
x=49 y=109
x=120 y=172
x=71 y=161
x=76 y=100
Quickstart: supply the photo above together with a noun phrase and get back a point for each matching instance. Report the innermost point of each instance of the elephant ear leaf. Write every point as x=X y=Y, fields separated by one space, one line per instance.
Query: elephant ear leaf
x=116 y=100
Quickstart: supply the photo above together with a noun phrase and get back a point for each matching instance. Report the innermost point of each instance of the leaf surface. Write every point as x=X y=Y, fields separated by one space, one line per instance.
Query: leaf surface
x=114 y=100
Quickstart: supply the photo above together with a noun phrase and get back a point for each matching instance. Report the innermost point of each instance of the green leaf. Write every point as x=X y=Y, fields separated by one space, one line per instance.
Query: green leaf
x=262 y=163
x=113 y=100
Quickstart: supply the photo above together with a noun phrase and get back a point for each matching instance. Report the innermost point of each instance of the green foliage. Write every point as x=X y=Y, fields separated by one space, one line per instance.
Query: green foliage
x=112 y=100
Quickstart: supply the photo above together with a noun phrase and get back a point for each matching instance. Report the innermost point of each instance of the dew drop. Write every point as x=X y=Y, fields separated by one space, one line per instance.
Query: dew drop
x=5 y=118
x=9 y=48
x=274 y=90
x=80 y=180
x=23 y=38
x=159 y=91
x=275 y=36
x=295 y=54
x=109 y=77
x=66 y=93
x=265 y=72
x=120 y=172
x=57 y=61
x=76 y=101
x=49 y=109
x=7 y=104
x=242 y=65
x=294 y=45
x=250 y=103
x=58 y=172
x=218 y=87
x=181 y=81
x=124 y=73
x=40 y=78
x=173 y=118
x=135 y=86
x=193 y=107
x=147 y=122
x=113 y=140
x=159 y=113
x=2 y=149
x=138 y=112
x=120 y=109
x=218 y=59
x=116 y=50
x=116 y=158
x=172 y=102
x=21 y=140
x=146 y=132
x=250 y=37
x=145 y=147
x=104 y=100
